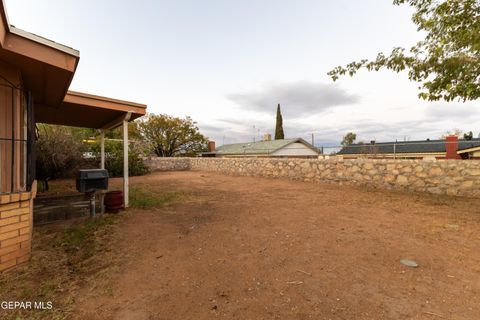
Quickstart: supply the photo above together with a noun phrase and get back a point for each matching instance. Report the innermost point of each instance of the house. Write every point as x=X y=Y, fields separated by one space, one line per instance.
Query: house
x=35 y=76
x=450 y=148
x=268 y=148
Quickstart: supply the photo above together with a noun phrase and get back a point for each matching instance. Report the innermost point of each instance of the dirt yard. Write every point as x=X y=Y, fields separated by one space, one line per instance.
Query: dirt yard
x=226 y=247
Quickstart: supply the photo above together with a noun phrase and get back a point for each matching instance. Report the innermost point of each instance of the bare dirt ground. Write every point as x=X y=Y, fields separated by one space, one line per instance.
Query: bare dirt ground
x=254 y=248
x=251 y=248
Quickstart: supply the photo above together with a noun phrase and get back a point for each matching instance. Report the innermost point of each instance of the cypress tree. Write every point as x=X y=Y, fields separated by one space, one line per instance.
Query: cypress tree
x=279 y=126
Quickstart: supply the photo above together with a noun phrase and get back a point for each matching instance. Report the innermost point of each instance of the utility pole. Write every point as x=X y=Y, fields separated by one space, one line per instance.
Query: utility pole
x=313 y=139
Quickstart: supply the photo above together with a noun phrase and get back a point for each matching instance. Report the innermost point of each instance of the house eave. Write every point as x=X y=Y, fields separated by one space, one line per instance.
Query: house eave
x=468 y=150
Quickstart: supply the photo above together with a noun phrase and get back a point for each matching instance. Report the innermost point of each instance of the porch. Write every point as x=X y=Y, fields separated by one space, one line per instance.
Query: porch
x=35 y=77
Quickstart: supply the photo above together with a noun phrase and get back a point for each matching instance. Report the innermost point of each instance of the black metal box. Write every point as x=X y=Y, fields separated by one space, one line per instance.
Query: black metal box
x=91 y=180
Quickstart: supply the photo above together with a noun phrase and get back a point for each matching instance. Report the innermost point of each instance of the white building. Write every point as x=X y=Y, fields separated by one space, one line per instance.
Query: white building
x=271 y=148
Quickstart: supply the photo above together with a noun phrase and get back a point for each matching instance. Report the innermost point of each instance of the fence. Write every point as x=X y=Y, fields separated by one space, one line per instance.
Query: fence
x=439 y=177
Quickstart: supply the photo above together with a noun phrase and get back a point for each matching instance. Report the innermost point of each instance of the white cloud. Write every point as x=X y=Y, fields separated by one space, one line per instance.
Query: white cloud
x=297 y=99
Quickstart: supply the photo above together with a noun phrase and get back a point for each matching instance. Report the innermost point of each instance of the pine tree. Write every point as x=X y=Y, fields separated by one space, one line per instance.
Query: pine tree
x=279 y=126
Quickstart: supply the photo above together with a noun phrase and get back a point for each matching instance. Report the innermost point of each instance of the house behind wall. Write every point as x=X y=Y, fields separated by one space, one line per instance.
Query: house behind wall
x=451 y=148
x=291 y=148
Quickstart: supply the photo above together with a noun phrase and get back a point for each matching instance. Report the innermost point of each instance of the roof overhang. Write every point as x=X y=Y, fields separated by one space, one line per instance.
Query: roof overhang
x=469 y=150
x=91 y=111
x=3 y=23
x=47 y=69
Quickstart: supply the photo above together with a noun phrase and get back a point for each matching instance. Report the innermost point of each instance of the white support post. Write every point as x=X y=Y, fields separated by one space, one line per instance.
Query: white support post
x=102 y=149
x=125 y=162
x=102 y=166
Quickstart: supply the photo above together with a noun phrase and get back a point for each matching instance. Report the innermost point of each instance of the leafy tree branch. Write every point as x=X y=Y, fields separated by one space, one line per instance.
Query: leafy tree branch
x=447 y=62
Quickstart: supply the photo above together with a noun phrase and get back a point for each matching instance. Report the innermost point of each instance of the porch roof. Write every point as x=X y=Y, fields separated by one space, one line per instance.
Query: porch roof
x=90 y=111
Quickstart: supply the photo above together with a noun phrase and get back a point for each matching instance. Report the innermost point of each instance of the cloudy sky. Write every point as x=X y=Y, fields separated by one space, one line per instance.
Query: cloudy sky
x=227 y=64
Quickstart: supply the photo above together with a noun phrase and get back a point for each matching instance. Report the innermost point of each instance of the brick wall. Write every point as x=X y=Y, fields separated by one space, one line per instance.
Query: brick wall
x=16 y=223
x=452 y=177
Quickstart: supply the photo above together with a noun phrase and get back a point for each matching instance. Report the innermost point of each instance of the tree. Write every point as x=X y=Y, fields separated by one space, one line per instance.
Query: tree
x=117 y=133
x=454 y=132
x=169 y=136
x=59 y=151
x=468 y=136
x=349 y=138
x=447 y=61
x=279 y=135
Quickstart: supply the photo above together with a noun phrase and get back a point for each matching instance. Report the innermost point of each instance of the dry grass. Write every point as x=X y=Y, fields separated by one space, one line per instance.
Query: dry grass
x=71 y=256
x=197 y=238
x=64 y=257
x=145 y=197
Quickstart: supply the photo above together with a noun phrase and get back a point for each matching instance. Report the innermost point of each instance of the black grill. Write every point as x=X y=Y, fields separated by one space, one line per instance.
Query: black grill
x=91 y=180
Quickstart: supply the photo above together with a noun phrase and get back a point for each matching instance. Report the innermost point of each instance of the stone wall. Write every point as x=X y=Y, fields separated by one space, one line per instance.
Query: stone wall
x=452 y=177
x=167 y=164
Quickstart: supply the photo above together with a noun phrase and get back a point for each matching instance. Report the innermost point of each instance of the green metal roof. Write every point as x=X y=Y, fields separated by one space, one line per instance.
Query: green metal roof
x=261 y=147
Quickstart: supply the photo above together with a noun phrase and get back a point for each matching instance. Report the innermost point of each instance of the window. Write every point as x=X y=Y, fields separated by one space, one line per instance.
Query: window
x=16 y=120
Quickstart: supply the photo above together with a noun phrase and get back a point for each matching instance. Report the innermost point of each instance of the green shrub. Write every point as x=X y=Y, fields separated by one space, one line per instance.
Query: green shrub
x=114 y=159
x=60 y=151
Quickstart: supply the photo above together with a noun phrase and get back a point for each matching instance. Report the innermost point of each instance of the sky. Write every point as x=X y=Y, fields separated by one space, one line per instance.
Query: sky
x=227 y=64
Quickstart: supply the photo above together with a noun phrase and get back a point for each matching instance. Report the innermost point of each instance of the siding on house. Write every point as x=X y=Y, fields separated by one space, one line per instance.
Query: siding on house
x=11 y=97
x=295 y=149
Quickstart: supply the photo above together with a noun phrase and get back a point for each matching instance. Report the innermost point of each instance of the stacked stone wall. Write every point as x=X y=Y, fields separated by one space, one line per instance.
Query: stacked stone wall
x=452 y=177
x=167 y=164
